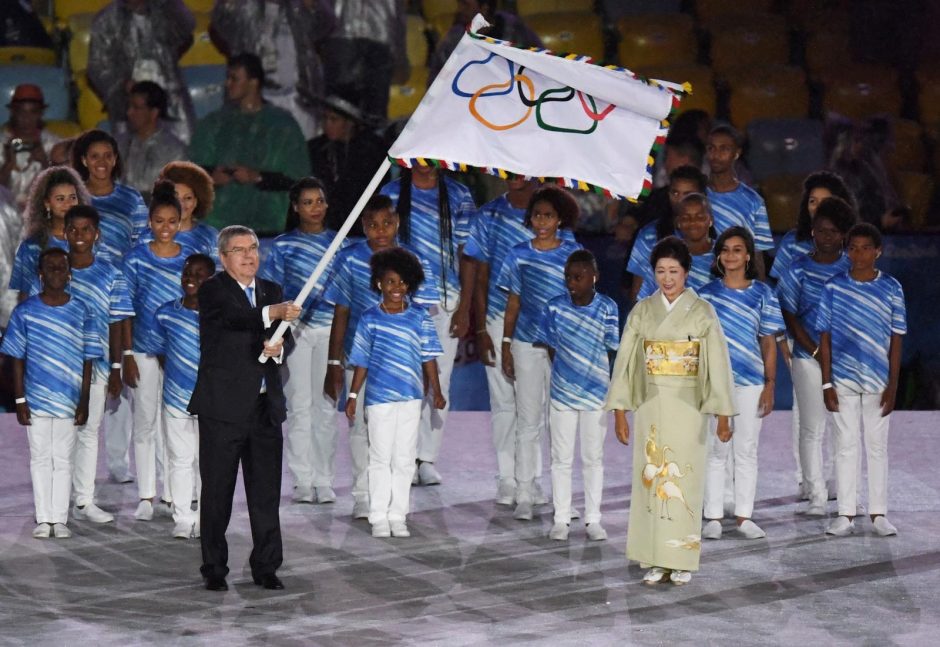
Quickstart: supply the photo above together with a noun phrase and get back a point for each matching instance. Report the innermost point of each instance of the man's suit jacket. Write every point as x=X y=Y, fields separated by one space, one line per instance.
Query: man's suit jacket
x=231 y=337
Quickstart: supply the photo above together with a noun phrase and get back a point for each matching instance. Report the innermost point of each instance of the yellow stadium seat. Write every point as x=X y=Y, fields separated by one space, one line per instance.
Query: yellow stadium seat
x=66 y=8
x=916 y=191
x=828 y=49
x=859 y=91
x=708 y=10
x=203 y=51
x=79 y=28
x=90 y=109
x=199 y=6
x=569 y=33
x=531 y=7
x=26 y=56
x=910 y=152
x=403 y=99
x=432 y=8
x=928 y=99
x=416 y=40
x=657 y=39
x=441 y=23
x=751 y=39
x=701 y=77
x=767 y=92
x=64 y=129
x=782 y=194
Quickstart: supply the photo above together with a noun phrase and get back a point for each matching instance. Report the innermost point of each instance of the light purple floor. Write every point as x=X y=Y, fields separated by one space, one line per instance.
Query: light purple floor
x=473 y=575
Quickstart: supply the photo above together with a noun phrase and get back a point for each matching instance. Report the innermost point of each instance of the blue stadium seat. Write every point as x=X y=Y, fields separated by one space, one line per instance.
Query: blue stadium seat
x=784 y=146
x=206 y=87
x=53 y=81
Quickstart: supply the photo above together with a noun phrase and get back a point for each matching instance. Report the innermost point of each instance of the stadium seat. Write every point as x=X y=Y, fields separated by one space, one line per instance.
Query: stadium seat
x=916 y=191
x=206 y=85
x=748 y=39
x=828 y=49
x=860 y=91
x=767 y=92
x=64 y=129
x=784 y=146
x=432 y=8
x=89 y=107
x=657 y=39
x=416 y=40
x=67 y=8
x=708 y=10
x=53 y=81
x=812 y=16
x=700 y=76
x=79 y=29
x=26 y=56
x=910 y=152
x=569 y=32
x=199 y=6
x=782 y=194
x=928 y=98
x=403 y=99
x=203 y=51
x=532 y=7
x=441 y=24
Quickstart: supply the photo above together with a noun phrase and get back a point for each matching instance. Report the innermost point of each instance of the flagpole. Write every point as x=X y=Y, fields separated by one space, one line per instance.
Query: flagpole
x=333 y=248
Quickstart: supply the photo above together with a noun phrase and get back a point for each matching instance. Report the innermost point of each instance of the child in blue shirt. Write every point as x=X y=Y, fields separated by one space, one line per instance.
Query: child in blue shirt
x=49 y=338
x=534 y=273
x=861 y=320
x=153 y=272
x=311 y=427
x=579 y=328
x=799 y=291
x=395 y=346
x=750 y=318
x=177 y=328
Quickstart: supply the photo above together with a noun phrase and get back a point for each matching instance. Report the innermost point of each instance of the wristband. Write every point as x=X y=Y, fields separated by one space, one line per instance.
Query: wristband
x=481 y=331
x=507 y=340
x=116 y=366
x=827 y=385
x=781 y=337
x=128 y=353
x=352 y=396
x=333 y=362
x=20 y=400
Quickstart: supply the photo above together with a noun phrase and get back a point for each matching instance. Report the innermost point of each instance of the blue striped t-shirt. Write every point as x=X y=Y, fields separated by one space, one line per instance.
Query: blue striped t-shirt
x=787 y=250
x=800 y=290
x=152 y=282
x=700 y=275
x=124 y=217
x=176 y=329
x=643 y=244
x=201 y=239
x=25 y=270
x=743 y=206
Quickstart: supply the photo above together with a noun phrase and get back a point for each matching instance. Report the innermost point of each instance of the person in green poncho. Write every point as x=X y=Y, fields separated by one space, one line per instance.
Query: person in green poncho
x=253 y=150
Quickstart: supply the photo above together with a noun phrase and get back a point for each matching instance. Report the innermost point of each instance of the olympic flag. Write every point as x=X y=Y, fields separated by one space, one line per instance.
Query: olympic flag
x=503 y=109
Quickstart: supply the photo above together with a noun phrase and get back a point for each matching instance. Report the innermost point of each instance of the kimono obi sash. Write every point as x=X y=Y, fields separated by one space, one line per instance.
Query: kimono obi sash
x=672 y=358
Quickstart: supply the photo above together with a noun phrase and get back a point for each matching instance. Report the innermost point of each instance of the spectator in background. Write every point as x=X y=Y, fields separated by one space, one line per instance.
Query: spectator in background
x=367 y=51
x=149 y=144
x=26 y=143
x=503 y=25
x=142 y=40
x=286 y=35
x=345 y=156
x=253 y=151
x=11 y=228
x=680 y=150
x=21 y=27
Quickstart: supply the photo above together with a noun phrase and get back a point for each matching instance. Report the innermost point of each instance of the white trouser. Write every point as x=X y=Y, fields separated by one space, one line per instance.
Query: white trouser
x=533 y=372
x=743 y=446
x=502 y=407
x=359 y=444
x=149 y=435
x=807 y=381
x=182 y=450
x=564 y=426
x=118 y=428
x=311 y=415
x=432 y=420
x=393 y=442
x=51 y=443
x=85 y=458
x=795 y=434
x=861 y=413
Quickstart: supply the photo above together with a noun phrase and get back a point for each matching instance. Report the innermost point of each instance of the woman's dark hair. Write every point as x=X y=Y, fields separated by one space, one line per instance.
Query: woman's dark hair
x=838 y=212
x=672 y=247
x=582 y=256
x=445 y=226
x=37 y=217
x=666 y=225
x=750 y=271
x=865 y=230
x=819 y=180
x=400 y=261
x=83 y=211
x=164 y=195
x=84 y=142
x=562 y=201
x=304 y=184
x=51 y=251
x=205 y=259
x=193 y=176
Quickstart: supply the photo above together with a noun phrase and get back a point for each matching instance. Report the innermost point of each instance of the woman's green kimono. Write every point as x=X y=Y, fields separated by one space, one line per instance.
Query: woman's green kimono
x=673 y=371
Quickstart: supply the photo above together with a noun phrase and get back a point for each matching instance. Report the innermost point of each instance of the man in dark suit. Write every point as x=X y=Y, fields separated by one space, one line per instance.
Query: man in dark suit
x=241 y=405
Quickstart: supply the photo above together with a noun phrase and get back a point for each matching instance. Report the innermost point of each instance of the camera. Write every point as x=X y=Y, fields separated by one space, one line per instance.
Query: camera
x=19 y=146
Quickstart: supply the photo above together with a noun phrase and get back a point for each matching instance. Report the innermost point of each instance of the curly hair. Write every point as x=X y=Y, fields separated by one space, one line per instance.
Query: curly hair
x=562 y=201
x=400 y=261
x=750 y=271
x=838 y=212
x=674 y=248
x=833 y=183
x=37 y=223
x=205 y=259
x=164 y=195
x=193 y=176
x=84 y=142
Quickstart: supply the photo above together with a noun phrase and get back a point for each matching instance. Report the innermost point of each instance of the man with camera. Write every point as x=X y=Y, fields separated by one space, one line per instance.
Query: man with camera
x=26 y=144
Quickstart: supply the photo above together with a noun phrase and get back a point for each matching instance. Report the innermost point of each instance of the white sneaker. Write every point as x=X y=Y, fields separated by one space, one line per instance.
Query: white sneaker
x=750 y=530
x=506 y=492
x=712 y=529
x=538 y=495
x=42 y=531
x=381 y=529
x=841 y=527
x=428 y=474
x=559 y=532
x=61 y=531
x=884 y=527
x=399 y=529
x=815 y=510
x=183 y=530
x=92 y=513
x=361 y=509
x=302 y=494
x=325 y=494
x=680 y=577
x=656 y=575
x=595 y=532
x=523 y=511
x=144 y=511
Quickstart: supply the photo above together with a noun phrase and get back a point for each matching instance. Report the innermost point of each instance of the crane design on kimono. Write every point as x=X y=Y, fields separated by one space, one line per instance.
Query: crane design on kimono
x=659 y=477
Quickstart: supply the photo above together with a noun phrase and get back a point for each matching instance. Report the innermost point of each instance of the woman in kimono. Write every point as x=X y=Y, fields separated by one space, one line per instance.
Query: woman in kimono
x=672 y=371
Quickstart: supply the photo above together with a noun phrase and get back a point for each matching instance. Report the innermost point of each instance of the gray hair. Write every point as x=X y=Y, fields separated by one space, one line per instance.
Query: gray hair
x=228 y=233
